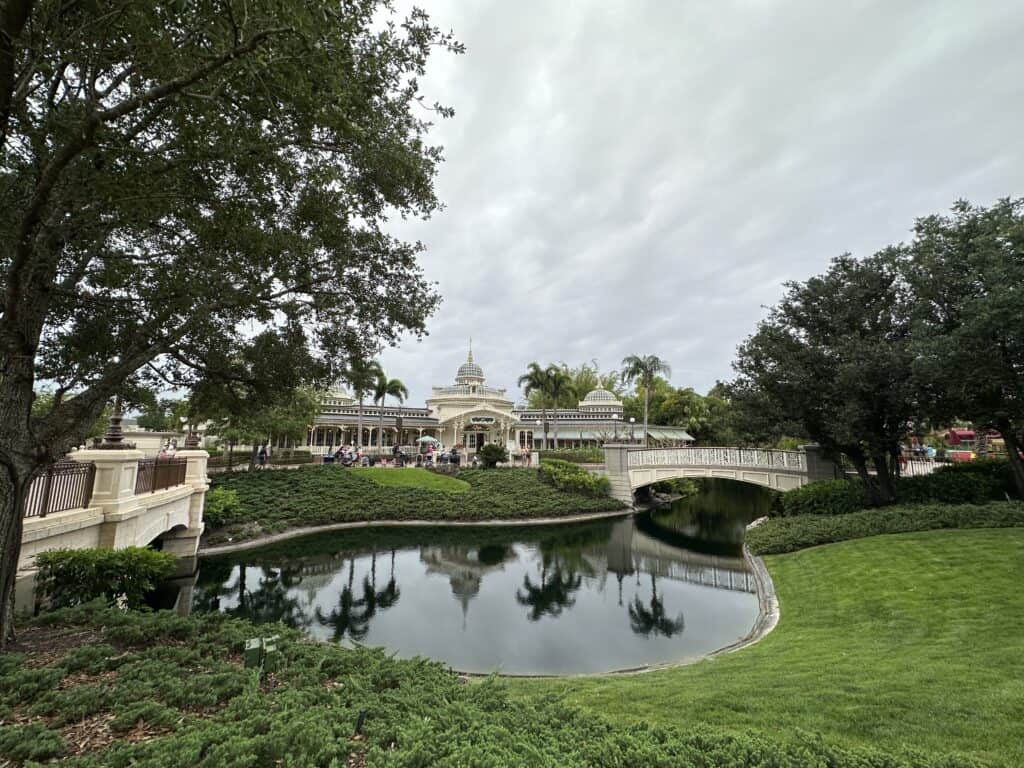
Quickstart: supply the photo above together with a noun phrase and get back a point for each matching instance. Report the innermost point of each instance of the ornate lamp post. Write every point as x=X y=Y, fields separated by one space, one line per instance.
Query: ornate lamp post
x=543 y=445
x=113 y=438
x=632 y=422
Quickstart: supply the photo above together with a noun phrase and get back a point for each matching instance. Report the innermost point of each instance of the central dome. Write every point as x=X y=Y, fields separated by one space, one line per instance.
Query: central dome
x=469 y=370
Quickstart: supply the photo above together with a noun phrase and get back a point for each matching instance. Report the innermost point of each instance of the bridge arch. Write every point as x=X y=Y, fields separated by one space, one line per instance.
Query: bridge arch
x=630 y=467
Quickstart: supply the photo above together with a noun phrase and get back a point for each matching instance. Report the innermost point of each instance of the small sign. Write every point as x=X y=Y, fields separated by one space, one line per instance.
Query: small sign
x=482 y=420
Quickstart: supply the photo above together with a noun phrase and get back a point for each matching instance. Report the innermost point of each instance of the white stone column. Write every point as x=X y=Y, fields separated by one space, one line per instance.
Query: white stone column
x=184 y=543
x=116 y=472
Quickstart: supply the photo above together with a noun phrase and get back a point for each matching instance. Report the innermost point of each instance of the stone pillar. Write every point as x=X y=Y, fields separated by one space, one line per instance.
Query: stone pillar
x=184 y=542
x=616 y=467
x=116 y=472
x=819 y=467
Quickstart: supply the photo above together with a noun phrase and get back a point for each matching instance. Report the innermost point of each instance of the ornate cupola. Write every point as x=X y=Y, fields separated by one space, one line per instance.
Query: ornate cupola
x=469 y=372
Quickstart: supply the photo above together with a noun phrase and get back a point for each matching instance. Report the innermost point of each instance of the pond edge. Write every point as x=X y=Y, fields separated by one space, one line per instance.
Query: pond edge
x=274 y=538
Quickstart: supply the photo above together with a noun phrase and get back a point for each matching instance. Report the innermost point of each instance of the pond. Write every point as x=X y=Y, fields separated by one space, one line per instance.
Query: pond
x=590 y=597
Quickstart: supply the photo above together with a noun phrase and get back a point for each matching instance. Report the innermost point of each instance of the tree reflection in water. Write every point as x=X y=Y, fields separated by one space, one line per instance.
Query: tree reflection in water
x=352 y=617
x=653 y=620
x=553 y=595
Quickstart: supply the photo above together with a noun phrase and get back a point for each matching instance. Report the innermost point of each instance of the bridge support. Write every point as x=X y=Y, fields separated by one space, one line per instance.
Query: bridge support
x=616 y=468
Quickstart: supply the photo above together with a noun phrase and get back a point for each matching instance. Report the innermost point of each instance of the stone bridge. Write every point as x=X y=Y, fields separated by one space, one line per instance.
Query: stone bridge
x=630 y=467
x=117 y=515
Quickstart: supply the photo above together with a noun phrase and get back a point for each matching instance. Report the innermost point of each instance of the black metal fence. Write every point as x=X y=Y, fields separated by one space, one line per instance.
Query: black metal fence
x=157 y=474
x=61 y=486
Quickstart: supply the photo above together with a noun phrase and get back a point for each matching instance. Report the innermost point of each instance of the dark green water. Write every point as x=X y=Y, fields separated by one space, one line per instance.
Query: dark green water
x=590 y=597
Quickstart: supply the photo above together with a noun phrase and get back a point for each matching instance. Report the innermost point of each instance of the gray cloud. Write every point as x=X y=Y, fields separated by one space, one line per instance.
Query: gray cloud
x=642 y=177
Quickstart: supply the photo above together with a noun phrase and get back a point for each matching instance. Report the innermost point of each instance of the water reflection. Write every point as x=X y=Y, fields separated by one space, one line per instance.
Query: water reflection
x=587 y=597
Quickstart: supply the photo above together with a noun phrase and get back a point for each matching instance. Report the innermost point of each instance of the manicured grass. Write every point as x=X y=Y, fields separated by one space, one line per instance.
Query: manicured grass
x=414 y=477
x=269 y=502
x=914 y=640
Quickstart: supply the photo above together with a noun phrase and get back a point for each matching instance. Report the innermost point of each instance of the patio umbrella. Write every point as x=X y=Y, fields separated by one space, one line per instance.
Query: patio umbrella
x=428 y=439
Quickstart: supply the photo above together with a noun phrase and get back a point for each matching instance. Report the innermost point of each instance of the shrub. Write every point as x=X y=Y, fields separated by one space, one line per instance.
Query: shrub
x=792 y=533
x=825 y=497
x=311 y=496
x=972 y=482
x=33 y=741
x=566 y=476
x=221 y=506
x=576 y=455
x=73 y=576
x=491 y=454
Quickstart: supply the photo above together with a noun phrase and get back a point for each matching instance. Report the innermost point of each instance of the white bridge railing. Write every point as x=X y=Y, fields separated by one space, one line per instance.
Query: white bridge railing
x=761 y=458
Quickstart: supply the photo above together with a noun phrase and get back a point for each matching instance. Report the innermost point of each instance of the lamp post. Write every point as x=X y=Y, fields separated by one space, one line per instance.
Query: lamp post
x=539 y=424
x=615 y=418
x=632 y=421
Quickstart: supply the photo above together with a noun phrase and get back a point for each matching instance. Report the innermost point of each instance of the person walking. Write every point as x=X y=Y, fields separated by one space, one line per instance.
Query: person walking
x=261 y=457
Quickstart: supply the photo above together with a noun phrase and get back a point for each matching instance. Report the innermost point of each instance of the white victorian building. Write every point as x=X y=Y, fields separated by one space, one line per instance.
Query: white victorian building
x=469 y=414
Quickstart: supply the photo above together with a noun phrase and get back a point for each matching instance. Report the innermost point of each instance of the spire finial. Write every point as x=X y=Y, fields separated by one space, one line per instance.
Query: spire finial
x=469 y=358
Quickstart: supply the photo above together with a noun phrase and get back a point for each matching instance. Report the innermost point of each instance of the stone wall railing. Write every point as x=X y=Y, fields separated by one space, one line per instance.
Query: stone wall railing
x=718 y=457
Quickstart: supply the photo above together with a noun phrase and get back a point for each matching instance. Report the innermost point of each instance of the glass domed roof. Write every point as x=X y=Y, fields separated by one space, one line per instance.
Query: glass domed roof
x=469 y=369
x=600 y=395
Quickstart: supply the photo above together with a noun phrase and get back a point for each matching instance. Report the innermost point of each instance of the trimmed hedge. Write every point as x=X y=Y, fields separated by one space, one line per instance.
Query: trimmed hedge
x=179 y=678
x=221 y=505
x=789 y=534
x=576 y=455
x=970 y=483
x=74 y=576
x=572 y=478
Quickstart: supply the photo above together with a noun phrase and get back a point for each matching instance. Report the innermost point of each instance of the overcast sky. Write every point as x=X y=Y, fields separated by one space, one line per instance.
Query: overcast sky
x=642 y=177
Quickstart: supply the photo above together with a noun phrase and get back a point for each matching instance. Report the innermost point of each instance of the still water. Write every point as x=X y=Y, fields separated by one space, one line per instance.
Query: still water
x=590 y=597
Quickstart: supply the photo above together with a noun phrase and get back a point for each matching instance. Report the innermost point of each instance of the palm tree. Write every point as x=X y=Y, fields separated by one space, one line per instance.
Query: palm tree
x=559 y=386
x=536 y=379
x=643 y=369
x=362 y=376
x=382 y=388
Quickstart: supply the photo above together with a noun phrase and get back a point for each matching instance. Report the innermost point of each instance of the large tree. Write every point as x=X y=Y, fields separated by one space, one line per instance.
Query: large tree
x=967 y=272
x=834 y=356
x=536 y=382
x=643 y=369
x=173 y=175
x=584 y=378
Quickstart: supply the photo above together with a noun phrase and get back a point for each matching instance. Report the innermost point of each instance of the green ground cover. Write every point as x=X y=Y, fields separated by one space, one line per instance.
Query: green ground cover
x=789 y=534
x=414 y=477
x=912 y=640
x=96 y=687
x=269 y=502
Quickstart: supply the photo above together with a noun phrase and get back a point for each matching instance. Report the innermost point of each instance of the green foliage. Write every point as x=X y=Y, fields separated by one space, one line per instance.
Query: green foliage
x=572 y=478
x=220 y=507
x=834 y=357
x=576 y=455
x=414 y=477
x=966 y=269
x=825 y=497
x=491 y=454
x=969 y=483
x=419 y=714
x=583 y=379
x=70 y=577
x=789 y=534
x=679 y=486
x=30 y=742
x=275 y=501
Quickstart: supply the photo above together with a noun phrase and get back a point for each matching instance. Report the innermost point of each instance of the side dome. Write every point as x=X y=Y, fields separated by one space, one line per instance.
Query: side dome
x=600 y=398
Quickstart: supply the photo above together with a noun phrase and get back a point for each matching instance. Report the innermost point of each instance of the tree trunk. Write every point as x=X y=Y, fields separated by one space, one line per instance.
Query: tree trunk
x=1013 y=454
x=544 y=416
x=883 y=476
x=647 y=394
x=359 y=425
x=555 y=430
x=14 y=484
x=380 y=430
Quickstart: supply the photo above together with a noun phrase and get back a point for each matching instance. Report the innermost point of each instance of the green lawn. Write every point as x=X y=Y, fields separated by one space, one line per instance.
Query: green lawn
x=270 y=502
x=414 y=477
x=915 y=640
